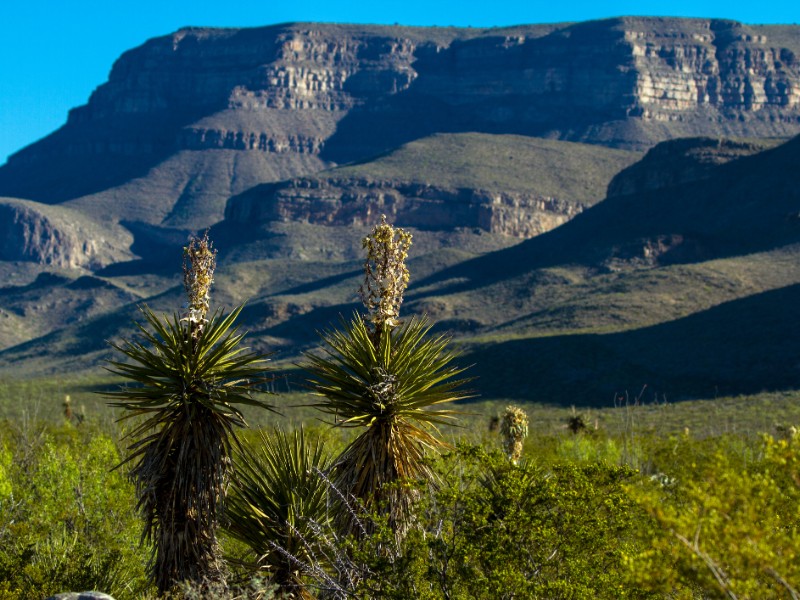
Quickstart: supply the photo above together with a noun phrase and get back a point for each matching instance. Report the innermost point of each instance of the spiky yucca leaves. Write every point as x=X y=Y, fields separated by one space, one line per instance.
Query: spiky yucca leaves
x=187 y=391
x=393 y=389
x=278 y=505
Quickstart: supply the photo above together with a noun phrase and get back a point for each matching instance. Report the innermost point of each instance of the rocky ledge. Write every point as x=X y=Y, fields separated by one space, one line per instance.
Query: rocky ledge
x=420 y=205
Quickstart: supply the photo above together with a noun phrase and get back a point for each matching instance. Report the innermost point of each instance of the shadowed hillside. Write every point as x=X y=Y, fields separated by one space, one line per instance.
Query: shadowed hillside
x=741 y=347
x=747 y=205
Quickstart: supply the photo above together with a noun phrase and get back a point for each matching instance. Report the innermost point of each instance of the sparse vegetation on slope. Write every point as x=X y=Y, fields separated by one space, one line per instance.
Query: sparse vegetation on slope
x=577 y=173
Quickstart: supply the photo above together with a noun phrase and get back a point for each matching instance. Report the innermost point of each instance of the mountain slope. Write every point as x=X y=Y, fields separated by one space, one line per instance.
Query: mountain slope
x=744 y=346
x=513 y=185
x=747 y=205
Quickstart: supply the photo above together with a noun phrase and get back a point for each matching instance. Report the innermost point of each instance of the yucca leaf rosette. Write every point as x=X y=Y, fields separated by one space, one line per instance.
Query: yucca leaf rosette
x=189 y=378
x=388 y=379
x=278 y=506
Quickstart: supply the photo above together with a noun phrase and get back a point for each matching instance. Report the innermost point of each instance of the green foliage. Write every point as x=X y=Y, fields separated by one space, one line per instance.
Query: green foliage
x=392 y=389
x=278 y=504
x=189 y=384
x=68 y=520
x=493 y=529
x=5 y=472
x=724 y=523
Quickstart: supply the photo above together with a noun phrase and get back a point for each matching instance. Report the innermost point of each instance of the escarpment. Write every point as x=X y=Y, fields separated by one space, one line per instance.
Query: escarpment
x=56 y=236
x=204 y=114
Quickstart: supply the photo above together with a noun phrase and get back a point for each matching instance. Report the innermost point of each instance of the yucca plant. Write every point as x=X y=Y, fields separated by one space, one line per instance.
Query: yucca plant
x=514 y=429
x=388 y=379
x=278 y=506
x=189 y=377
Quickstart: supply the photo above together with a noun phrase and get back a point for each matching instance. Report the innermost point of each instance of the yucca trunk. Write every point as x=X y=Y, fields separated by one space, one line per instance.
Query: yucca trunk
x=374 y=466
x=184 y=487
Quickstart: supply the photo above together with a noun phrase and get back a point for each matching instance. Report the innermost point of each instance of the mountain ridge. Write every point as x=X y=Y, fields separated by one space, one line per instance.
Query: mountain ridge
x=224 y=110
x=289 y=142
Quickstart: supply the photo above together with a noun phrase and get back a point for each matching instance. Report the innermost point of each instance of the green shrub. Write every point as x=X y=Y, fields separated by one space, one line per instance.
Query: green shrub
x=724 y=521
x=67 y=521
x=492 y=529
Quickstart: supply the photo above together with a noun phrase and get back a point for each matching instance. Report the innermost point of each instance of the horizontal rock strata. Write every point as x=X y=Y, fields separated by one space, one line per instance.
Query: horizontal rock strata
x=362 y=202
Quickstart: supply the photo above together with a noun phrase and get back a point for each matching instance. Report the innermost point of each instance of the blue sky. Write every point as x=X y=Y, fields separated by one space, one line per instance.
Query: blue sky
x=53 y=53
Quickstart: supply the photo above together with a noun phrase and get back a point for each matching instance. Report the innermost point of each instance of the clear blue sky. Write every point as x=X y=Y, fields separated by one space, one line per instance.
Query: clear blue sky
x=53 y=53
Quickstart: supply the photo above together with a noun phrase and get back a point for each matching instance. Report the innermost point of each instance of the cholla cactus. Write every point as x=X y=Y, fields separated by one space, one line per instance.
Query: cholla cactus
x=385 y=274
x=199 y=262
x=514 y=429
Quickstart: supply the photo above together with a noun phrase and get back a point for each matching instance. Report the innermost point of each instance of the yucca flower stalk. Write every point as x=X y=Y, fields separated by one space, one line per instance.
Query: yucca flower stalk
x=189 y=377
x=278 y=506
x=514 y=429
x=199 y=264
x=385 y=275
x=387 y=379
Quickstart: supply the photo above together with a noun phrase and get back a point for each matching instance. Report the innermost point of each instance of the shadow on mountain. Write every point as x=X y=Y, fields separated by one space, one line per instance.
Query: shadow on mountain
x=740 y=347
x=321 y=284
x=43 y=280
x=481 y=76
x=139 y=266
x=74 y=169
x=748 y=205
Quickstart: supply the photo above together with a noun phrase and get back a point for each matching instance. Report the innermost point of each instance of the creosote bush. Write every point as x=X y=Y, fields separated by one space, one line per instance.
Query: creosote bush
x=67 y=518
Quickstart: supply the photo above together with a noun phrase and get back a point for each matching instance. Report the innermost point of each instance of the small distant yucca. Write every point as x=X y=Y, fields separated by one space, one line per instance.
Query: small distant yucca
x=514 y=429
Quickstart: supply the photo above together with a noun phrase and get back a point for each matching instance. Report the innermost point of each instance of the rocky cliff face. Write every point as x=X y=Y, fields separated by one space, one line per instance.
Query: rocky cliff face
x=362 y=202
x=52 y=236
x=309 y=95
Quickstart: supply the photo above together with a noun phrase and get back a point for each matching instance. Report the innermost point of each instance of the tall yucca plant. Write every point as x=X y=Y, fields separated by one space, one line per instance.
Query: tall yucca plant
x=389 y=379
x=278 y=506
x=190 y=375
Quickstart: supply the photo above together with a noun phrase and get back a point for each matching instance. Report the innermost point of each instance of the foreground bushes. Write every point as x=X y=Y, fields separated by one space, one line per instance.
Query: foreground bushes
x=724 y=520
x=67 y=521
x=494 y=529
x=713 y=518
x=700 y=519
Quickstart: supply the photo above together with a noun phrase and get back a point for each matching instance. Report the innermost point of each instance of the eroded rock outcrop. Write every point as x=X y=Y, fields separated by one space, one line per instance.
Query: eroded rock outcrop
x=425 y=206
x=56 y=236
